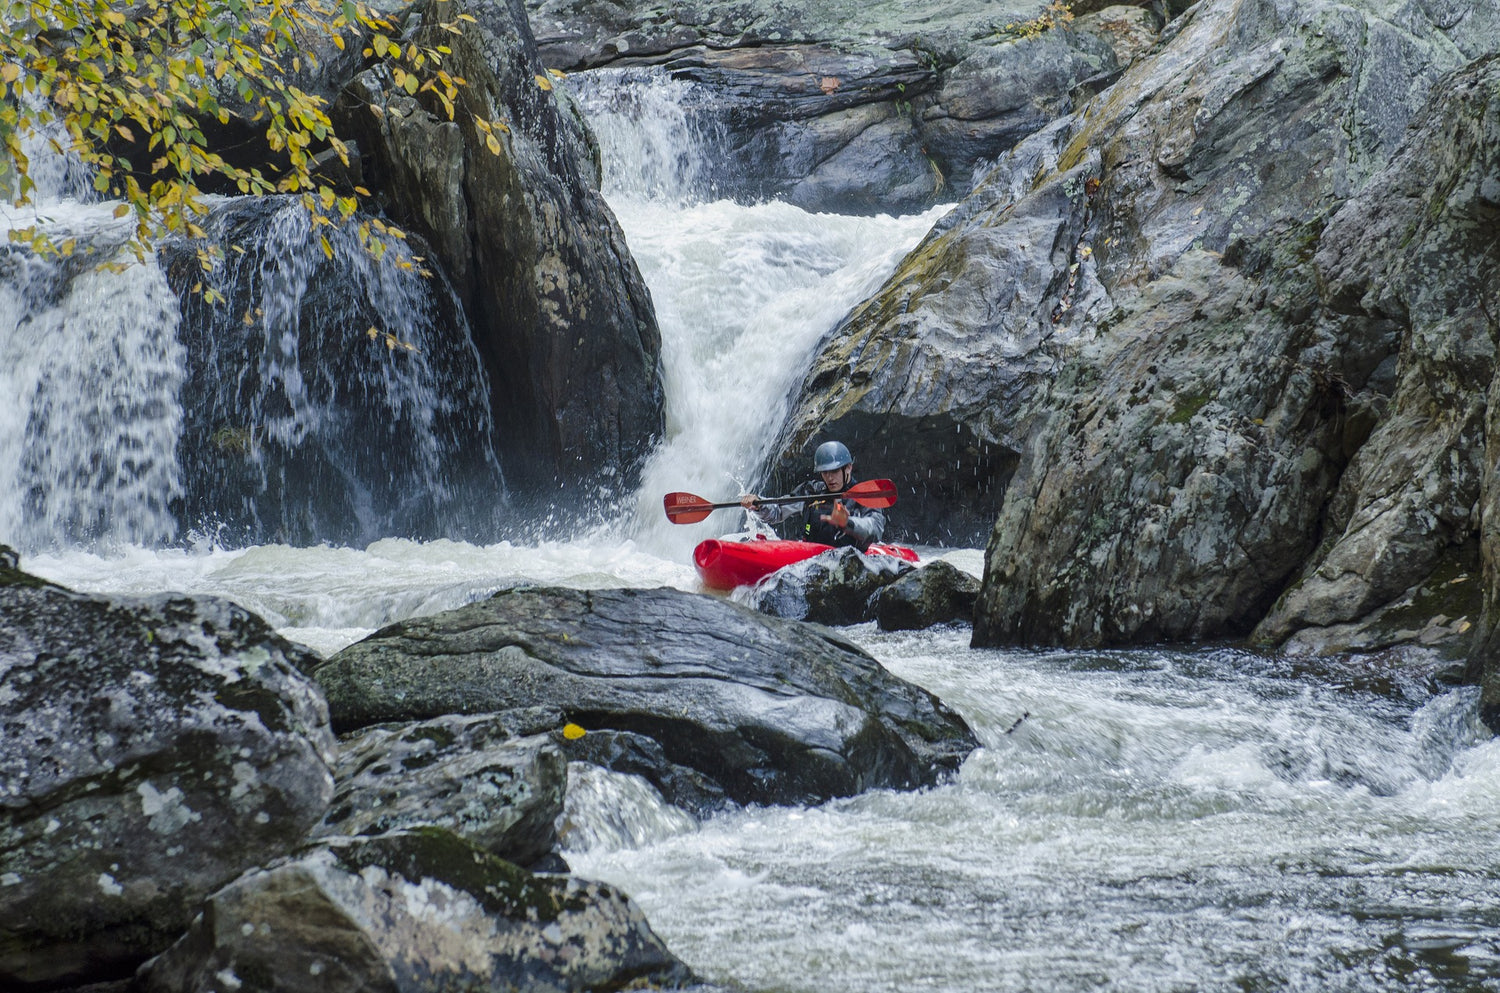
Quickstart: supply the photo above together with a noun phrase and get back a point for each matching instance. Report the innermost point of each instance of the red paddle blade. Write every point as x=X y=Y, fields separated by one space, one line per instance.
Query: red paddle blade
x=686 y=508
x=877 y=493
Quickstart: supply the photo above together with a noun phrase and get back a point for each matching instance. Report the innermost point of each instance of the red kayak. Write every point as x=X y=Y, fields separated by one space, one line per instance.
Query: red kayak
x=723 y=565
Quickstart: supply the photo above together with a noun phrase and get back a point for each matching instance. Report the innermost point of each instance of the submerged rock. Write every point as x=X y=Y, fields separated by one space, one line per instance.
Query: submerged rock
x=937 y=593
x=836 y=587
x=152 y=749
x=772 y=711
x=409 y=912
x=475 y=776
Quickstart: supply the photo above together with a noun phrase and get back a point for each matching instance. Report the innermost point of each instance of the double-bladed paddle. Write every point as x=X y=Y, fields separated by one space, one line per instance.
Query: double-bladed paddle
x=688 y=508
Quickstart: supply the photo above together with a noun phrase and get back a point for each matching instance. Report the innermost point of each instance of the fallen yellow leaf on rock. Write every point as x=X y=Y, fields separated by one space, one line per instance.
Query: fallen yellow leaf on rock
x=573 y=732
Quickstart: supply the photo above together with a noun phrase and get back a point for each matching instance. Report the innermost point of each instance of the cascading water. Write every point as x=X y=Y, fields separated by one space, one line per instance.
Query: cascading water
x=356 y=408
x=743 y=293
x=1137 y=821
x=143 y=412
x=91 y=378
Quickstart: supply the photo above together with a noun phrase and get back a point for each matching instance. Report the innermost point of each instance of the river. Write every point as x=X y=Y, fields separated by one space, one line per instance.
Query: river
x=1152 y=820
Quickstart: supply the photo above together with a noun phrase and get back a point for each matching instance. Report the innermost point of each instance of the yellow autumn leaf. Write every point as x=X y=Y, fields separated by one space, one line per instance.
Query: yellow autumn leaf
x=573 y=732
x=543 y=82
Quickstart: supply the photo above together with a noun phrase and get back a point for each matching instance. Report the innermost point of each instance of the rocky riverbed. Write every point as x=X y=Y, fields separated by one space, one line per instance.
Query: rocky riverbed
x=175 y=807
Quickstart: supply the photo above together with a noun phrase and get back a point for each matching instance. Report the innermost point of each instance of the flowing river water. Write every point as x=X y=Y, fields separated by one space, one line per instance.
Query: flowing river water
x=1151 y=820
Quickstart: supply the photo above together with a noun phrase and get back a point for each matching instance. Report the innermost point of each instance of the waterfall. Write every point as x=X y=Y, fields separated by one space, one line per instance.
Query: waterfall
x=656 y=134
x=141 y=411
x=357 y=407
x=743 y=292
x=91 y=421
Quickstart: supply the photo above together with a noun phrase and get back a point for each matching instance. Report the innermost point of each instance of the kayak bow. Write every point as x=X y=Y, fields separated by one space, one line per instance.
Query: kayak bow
x=723 y=565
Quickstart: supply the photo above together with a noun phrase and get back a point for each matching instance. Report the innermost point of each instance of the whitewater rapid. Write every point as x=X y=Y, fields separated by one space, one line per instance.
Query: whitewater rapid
x=1140 y=821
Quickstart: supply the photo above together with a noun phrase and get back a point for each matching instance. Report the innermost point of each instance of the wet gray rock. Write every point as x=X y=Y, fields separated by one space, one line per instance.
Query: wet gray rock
x=836 y=587
x=1134 y=346
x=772 y=711
x=937 y=593
x=1412 y=262
x=412 y=911
x=927 y=381
x=472 y=775
x=152 y=749
x=560 y=315
x=883 y=107
x=1272 y=405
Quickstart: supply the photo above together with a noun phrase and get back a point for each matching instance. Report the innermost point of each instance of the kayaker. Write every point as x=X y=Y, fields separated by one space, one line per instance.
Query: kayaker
x=823 y=518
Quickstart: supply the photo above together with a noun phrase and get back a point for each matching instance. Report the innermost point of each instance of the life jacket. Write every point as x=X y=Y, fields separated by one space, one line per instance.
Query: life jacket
x=819 y=503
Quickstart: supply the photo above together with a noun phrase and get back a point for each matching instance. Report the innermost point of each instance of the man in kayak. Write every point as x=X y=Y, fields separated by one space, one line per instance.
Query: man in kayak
x=824 y=518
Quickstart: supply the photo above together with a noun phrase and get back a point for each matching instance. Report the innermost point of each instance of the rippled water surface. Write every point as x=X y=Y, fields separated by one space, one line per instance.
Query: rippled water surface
x=1134 y=821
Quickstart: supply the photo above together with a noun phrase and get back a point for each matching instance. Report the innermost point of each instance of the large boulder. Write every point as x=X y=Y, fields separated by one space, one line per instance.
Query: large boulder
x=773 y=711
x=1236 y=407
x=888 y=107
x=1412 y=262
x=563 y=321
x=153 y=748
x=481 y=777
x=937 y=593
x=1281 y=403
x=408 y=912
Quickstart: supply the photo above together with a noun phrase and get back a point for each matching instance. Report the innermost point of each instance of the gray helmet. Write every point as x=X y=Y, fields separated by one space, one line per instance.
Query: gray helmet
x=831 y=455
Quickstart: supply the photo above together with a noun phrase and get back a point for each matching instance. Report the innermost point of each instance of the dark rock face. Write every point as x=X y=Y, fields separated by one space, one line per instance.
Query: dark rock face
x=772 y=711
x=886 y=108
x=836 y=587
x=937 y=593
x=152 y=749
x=472 y=775
x=562 y=320
x=408 y=912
